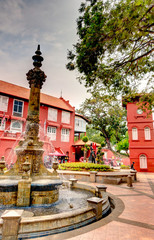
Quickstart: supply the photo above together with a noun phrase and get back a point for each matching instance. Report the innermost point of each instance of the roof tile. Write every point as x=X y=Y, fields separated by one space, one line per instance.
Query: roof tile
x=23 y=93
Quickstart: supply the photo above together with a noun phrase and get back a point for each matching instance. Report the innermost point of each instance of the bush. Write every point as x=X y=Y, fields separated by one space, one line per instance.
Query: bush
x=85 y=139
x=125 y=167
x=80 y=166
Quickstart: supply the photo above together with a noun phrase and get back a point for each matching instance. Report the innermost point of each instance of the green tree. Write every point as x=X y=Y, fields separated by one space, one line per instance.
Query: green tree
x=94 y=135
x=106 y=115
x=99 y=156
x=115 y=43
x=123 y=145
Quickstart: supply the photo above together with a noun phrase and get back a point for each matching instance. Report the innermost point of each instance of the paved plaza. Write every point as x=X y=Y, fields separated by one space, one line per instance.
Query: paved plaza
x=132 y=218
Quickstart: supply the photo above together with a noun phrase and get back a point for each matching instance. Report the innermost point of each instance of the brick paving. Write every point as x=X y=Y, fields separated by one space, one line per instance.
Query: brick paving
x=132 y=218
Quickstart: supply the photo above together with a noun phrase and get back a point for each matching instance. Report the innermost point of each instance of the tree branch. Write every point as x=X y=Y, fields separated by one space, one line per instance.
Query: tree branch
x=135 y=59
x=150 y=8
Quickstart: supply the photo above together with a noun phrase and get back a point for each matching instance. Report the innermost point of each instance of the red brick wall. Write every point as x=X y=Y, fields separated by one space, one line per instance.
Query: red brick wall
x=140 y=146
x=10 y=143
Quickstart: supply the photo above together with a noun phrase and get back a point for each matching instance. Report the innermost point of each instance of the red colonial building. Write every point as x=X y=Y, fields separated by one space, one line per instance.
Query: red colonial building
x=58 y=122
x=141 y=136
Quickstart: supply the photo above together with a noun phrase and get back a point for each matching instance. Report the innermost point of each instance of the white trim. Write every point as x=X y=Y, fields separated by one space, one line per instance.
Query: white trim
x=51 y=132
x=17 y=113
x=143 y=161
x=4 y=103
x=147 y=133
x=65 y=135
x=52 y=114
x=65 y=117
x=134 y=133
x=16 y=129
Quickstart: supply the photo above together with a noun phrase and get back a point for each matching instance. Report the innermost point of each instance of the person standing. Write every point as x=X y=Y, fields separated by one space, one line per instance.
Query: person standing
x=93 y=156
x=132 y=166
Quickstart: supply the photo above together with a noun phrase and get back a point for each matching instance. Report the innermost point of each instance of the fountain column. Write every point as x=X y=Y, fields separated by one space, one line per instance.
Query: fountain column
x=31 y=147
x=29 y=181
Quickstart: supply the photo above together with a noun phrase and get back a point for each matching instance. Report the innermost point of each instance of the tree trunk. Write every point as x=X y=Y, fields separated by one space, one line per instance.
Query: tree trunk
x=85 y=155
x=108 y=144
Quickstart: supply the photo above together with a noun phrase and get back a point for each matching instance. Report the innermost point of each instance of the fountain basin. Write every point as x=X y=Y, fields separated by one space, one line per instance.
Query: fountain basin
x=38 y=226
x=44 y=191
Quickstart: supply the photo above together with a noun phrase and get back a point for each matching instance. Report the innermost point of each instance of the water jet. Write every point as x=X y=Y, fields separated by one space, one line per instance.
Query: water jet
x=30 y=185
x=33 y=183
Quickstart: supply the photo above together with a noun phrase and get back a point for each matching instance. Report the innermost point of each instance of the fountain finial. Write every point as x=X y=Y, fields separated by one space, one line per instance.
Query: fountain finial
x=37 y=58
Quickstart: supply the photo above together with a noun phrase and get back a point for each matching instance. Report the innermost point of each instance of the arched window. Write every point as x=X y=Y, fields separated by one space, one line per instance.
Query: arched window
x=147 y=133
x=134 y=133
x=16 y=126
x=10 y=156
x=143 y=161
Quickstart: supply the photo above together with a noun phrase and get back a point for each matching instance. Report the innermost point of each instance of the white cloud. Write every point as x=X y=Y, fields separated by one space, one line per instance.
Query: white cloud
x=50 y=23
x=11 y=17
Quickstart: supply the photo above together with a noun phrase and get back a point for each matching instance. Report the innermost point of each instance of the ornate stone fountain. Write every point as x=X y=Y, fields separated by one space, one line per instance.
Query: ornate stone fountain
x=29 y=182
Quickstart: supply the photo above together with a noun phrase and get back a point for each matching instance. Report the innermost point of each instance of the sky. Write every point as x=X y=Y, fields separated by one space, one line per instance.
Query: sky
x=51 y=23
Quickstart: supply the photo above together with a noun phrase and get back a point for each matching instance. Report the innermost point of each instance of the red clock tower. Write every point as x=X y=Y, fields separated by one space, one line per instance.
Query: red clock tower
x=141 y=136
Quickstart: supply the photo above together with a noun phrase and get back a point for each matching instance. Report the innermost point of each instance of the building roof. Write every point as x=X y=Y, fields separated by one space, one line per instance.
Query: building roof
x=78 y=115
x=23 y=93
x=81 y=143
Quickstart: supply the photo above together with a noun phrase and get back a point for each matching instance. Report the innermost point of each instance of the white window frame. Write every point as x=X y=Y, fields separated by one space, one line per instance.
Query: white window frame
x=80 y=125
x=14 y=129
x=134 y=133
x=66 y=117
x=51 y=132
x=77 y=123
x=143 y=161
x=4 y=103
x=16 y=113
x=65 y=135
x=147 y=133
x=2 y=126
x=52 y=114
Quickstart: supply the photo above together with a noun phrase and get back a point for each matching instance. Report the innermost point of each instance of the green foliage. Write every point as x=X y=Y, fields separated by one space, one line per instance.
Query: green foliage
x=78 y=166
x=94 y=134
x=115 y=44
x=85 y=148
x=124 y=167
x=106 y=115
x=123 y=145
x=99 y=156
x=85 y=139
x=99 y=149
x=103 y=144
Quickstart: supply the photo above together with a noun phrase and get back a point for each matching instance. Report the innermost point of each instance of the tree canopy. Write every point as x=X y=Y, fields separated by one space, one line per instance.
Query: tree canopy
x=115 y=43
x=94 y=135
x=106 y=115
x=123 y=145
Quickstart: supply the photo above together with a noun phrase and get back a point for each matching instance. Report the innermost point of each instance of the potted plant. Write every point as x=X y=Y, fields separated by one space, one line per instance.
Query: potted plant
x=85 y=148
